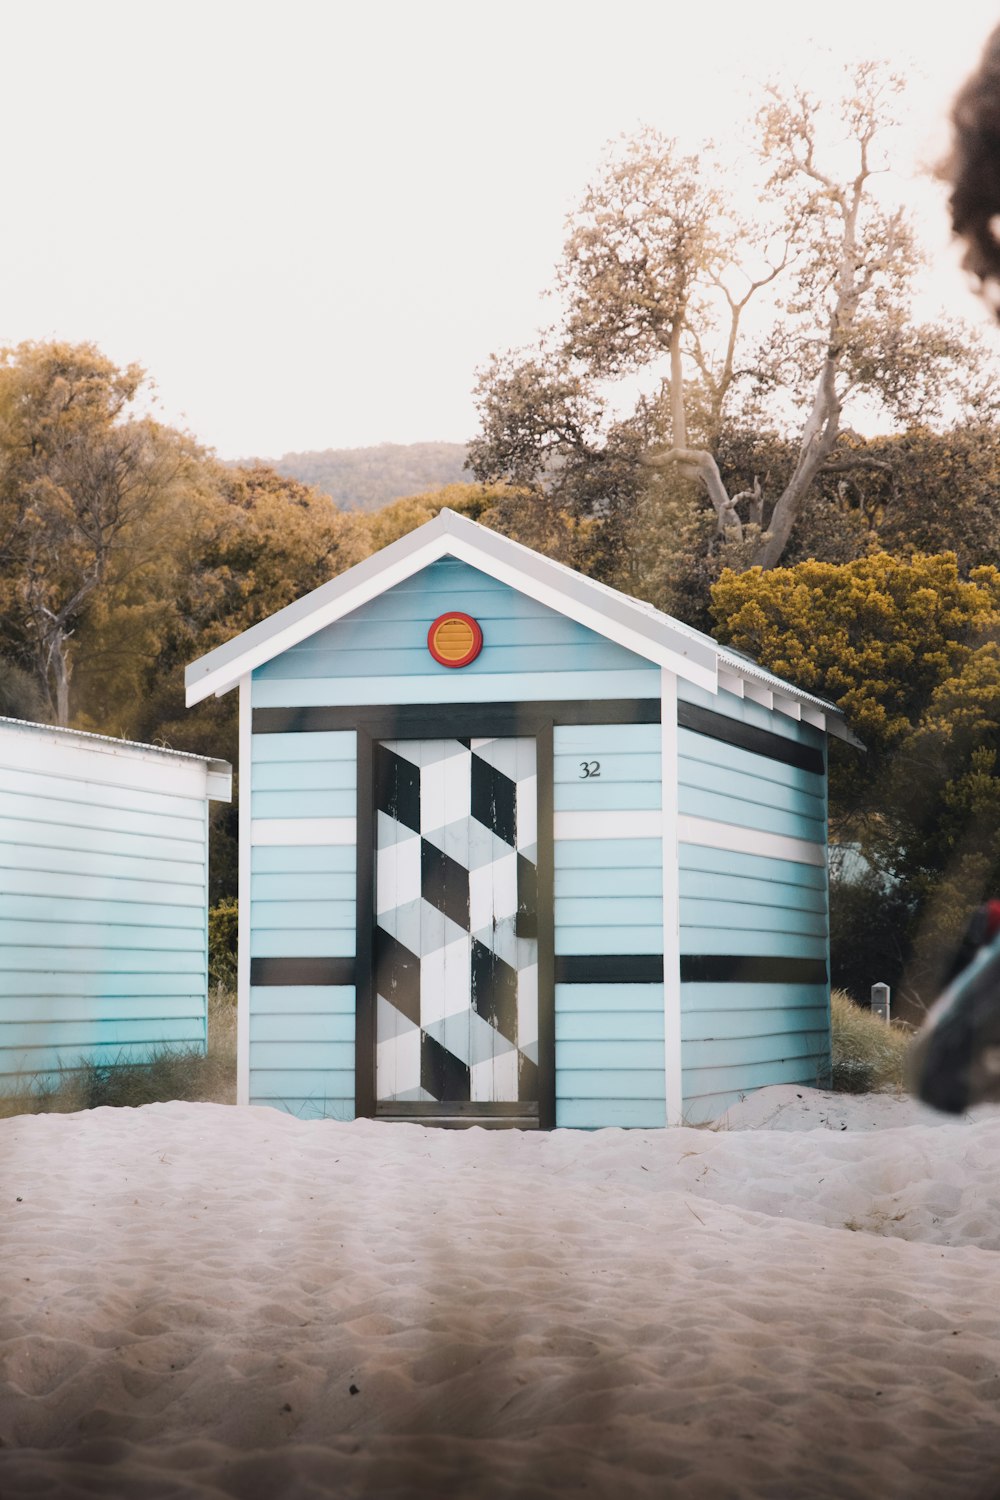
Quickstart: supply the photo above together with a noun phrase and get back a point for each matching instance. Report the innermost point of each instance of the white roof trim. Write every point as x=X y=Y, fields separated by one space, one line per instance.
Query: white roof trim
x=633 y=624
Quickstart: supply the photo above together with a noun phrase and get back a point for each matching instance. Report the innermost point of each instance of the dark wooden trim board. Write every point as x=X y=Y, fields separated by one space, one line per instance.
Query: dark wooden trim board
x=749 y=737
x=364 y=1008
x=544 y=771
x=264 y=971
x=473 y=1108
x=609 y=968
x=424 y=720
x=728 y=968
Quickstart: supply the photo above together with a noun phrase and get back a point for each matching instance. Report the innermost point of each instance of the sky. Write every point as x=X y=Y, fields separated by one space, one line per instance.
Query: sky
x=312 y=222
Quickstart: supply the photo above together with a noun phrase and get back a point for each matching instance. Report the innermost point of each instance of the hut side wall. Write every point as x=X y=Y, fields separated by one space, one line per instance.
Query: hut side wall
x=103 y=902
x=753 y=887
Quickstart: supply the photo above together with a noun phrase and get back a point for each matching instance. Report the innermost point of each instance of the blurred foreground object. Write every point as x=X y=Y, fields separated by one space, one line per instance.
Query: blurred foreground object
x=973 y=169
x=955 y=1059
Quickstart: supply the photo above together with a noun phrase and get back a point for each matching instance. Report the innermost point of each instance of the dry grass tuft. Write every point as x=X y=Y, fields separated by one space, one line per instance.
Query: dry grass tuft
x=868 y=1055
x=165 y=1074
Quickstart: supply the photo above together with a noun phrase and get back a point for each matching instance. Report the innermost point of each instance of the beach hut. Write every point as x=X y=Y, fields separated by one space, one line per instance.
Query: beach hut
x=519 y=849
x=103 y=899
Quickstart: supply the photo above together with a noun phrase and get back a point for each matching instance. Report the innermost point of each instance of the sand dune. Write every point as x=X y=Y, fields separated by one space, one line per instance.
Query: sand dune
x=209 y=1302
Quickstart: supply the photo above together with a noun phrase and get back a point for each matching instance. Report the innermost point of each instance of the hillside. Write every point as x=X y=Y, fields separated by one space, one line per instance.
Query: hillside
x=367 y=478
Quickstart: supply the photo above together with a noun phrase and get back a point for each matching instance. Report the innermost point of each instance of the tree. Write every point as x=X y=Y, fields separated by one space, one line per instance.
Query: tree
x=911 y=652
x=78 y=476
x=659 y=276
x=20 y=696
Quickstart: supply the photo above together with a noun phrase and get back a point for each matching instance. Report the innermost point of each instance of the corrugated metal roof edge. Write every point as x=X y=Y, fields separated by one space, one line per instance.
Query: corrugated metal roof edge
x=212 y=761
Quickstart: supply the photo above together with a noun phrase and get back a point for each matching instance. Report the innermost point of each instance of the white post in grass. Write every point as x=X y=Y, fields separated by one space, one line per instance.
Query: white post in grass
x=880 y=1001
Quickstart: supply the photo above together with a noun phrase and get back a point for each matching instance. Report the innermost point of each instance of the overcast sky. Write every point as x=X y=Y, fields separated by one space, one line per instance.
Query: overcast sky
x=311 y=221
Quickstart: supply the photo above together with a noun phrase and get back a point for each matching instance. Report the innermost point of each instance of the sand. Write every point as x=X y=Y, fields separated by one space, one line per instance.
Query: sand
x=211 y=1302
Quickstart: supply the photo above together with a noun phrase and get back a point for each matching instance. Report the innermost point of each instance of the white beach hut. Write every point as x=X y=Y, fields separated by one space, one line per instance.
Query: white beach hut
x=103 y=898
x=516 y=848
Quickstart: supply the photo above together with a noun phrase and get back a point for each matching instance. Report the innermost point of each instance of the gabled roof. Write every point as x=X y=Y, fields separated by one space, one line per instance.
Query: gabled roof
x=637 y=626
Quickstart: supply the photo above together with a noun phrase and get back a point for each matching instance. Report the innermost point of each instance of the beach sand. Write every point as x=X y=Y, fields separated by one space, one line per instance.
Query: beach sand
x=203 y=1301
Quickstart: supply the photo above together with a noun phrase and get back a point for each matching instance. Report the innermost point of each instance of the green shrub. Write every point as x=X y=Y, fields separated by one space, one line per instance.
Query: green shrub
x=223 y=927
x=868 y=1054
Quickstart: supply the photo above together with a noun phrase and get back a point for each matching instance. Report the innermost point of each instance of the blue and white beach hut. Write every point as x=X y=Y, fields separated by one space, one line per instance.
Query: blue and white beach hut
x=103 y=899
x=516 y=848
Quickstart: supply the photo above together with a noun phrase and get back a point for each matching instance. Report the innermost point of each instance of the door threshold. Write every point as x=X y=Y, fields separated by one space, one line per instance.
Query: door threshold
x=465 y=1122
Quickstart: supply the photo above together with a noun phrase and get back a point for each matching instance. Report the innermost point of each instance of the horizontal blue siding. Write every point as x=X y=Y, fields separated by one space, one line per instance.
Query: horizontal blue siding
x=60 y=812
x=646 y=881
x=296 y=803
x=33 y=986
x=745 y=916
x=717 y=759
x=743 y=1024
x=126 y=908
x=602 y=1114
x=302 y=1049
x=43 y=1066
x=280 y=885
x=455 y=687
x=720 y=807
x=388 y=637
x=304 y=859
x=608 y=892
x=378 y=654
x=710 y=1090
x=318 y=1000
x=318 y=747
x=100 y=960
x=171 y=995
x=303 y=905
x=118 y=942
x=54 y=838
x=321 y=1087
x=609 y=1055
x=770 y=943
x=103 y=909
x=287 y=941
x=738 y=1037
x=603 y=855
x=696 y=859
x=32 y=860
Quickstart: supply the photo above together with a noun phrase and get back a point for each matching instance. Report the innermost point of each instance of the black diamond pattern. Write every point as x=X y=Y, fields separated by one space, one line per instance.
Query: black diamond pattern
x=397 y=975
x=494 y=990
x=397 y=787
x=442 y=1074
x=494 y=800
x=444 y=883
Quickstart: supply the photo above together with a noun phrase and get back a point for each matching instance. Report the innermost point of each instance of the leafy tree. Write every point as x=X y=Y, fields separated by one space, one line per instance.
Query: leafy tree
x=657 y=277
x=78 y=477
x=911 y=652
x=20 y=695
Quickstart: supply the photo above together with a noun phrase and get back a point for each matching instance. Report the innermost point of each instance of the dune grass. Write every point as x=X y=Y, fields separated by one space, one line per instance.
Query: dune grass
x=868 y=1055
x=165 y=1073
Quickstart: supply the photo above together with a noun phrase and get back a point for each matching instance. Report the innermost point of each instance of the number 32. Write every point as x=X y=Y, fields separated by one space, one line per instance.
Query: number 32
x=589 y=768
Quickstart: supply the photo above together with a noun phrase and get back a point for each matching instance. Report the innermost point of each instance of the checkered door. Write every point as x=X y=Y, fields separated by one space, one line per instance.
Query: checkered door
x=456 y=950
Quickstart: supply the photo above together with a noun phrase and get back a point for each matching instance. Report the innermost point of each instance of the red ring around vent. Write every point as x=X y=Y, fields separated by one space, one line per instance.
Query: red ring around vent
x=455 y=639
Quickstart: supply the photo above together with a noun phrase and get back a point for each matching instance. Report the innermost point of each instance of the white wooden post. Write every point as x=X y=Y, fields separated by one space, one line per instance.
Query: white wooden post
x=880 y=1001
